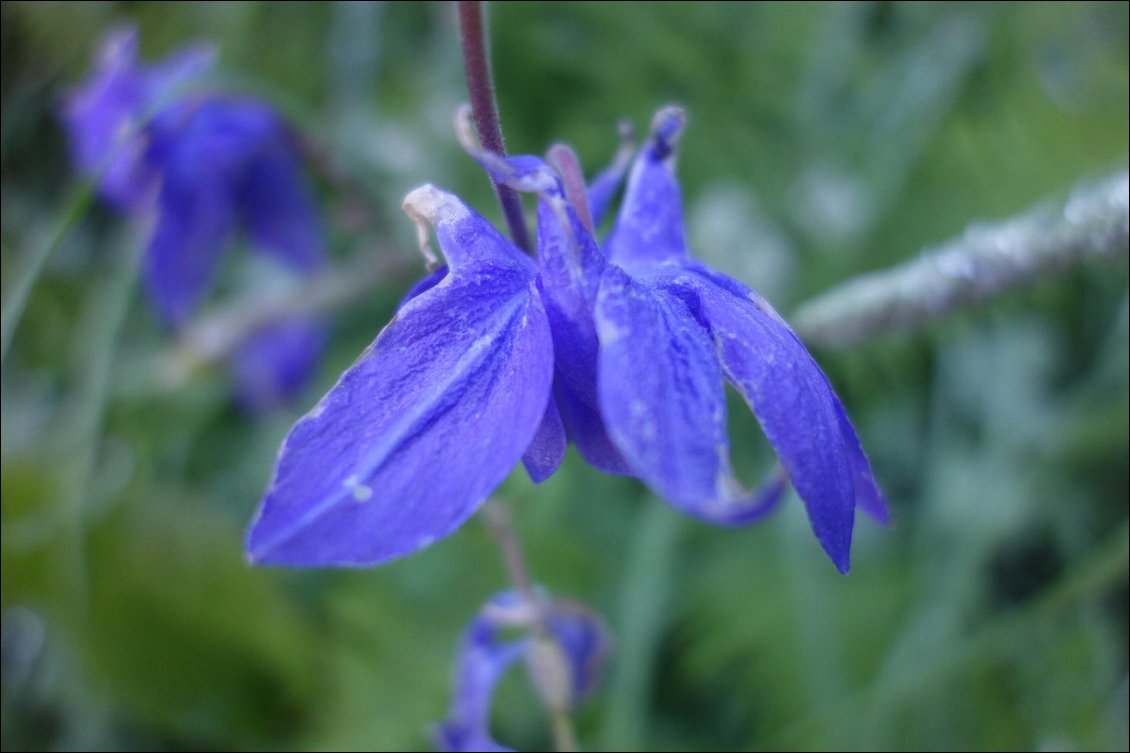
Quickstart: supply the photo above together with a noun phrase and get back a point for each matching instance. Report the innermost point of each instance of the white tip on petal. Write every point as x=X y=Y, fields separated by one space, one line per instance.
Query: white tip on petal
x=428 y=206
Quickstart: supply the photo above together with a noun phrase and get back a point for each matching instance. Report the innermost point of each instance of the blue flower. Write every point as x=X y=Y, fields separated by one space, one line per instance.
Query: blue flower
x=672 y=332
x=106 y=116
x=205 y=166
x=652 y=337
x=564 y=663
x=625 y=352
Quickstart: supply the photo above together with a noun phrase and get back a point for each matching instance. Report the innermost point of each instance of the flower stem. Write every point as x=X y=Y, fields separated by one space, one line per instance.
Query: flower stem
x=480 y=87
x=502 y=527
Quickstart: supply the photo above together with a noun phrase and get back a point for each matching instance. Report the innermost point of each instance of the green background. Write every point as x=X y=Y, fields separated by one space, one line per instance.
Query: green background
x=824 y=141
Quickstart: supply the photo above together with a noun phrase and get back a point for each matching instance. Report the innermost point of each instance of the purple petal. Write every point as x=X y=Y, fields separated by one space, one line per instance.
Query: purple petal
x=755 y=505
x=661 y=392
x=789 y=394
x=276 y=363
x=585 y=641
x=430 y=419
x=867 y=494
x=649 y=230
x=180 y=68
x=102 y=117
x=522 y=173
x=570 y=268
x=281 y=215
x=203 y=150
x=483 y=659
x=603 y=187
x=426 y=283
x=570 y=264
x=663 y=400
x=547 y=449
x=194 y=219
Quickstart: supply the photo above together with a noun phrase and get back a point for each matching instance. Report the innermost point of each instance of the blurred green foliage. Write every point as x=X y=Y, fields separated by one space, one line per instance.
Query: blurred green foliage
x=825 y=140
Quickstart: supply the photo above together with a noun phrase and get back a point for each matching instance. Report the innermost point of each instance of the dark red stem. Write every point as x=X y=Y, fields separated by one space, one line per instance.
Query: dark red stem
x=480 y=87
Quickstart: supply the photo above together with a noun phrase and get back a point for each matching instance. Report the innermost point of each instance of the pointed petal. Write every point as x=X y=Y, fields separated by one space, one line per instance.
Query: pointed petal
x=547 y=449
x=428 y=421
x=649 y=230
x=466 y=238
x=282 y=217
x=483 y=659
x=194 y=220
x=663 y=399
x=168 y=78
x=867 y=494
x=570 y=268
x=661 y=392
x=102 y=117
x=274 y=364
x=792 y=400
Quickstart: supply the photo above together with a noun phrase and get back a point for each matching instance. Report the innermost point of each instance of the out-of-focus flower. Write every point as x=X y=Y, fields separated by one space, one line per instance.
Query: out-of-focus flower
x=205 y=165
x=225 y=163
x=276 y=362
x=106 y=117
x=564 y=648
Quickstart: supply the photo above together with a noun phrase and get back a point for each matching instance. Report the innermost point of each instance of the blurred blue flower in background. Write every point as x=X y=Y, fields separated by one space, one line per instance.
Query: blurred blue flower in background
x=564 y=653
x=106 y=117
x=203 y=165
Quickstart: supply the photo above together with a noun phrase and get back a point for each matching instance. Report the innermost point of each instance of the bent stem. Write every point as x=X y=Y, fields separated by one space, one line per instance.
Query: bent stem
x=480 y=87
x=502 y=527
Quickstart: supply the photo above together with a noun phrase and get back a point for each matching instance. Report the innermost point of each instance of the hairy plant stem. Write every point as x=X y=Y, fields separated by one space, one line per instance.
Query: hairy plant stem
x=480 y=87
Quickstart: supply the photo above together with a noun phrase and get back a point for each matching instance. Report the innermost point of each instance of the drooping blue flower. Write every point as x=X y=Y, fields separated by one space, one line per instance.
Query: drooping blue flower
x=623 y=351
x=656 y=335
x=564 y=664
x=203 y=166
x=225 y=163
x=696 y=329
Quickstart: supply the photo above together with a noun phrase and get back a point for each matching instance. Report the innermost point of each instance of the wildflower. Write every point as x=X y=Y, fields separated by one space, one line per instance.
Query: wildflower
x=624 y=352
x=695 y=329
x=671 y=333
x=105 y=118
x=564 y=662
x=205 y=165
